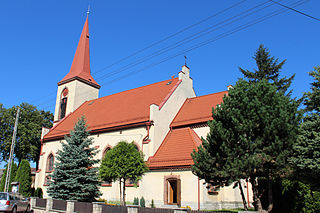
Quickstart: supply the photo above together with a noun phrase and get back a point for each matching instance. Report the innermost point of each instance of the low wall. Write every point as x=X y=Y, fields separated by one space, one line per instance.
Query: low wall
x=97 y=207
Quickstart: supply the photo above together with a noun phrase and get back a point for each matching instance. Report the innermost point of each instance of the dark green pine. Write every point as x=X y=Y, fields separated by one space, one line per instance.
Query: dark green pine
x=269 y=69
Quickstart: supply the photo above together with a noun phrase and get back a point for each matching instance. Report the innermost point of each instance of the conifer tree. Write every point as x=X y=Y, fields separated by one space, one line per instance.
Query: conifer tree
x=12 y=176
x=251 y=136
x=23 y=176
x=306 y=159
x=123 y=162
x=269 y=69
x=74 y=177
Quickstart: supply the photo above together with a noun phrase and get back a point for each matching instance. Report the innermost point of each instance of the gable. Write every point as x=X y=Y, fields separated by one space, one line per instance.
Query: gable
x=175 y=151
x=120 y=109
x=197 y=110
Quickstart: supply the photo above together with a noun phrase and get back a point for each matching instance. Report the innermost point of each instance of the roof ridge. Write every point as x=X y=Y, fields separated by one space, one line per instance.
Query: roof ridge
x=194 y=134
x=133 y=89
x=216 y=93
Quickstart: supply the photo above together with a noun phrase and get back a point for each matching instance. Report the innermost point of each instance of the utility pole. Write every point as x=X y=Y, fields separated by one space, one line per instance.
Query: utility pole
x=7 y=184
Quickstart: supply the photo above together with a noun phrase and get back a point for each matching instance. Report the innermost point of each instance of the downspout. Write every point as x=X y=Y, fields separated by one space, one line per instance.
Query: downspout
x=198 y=194
x=146 y=139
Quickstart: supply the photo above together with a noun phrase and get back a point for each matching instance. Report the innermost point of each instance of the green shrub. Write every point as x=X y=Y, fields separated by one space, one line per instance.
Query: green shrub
x=152 y=204
x=142 y=202
x=136 y=201
x=38 y=193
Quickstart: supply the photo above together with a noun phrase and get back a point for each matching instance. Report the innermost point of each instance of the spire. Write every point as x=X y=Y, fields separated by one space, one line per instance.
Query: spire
x=80 y=68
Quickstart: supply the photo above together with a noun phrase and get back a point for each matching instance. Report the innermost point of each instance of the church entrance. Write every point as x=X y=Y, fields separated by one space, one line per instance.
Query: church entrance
x=172 y=191
x=172 y=196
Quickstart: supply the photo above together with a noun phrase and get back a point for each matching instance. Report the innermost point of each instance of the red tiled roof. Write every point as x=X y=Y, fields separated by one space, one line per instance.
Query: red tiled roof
x=80 y=68
x=198 y=109
x=175 y=151
x=124 y=108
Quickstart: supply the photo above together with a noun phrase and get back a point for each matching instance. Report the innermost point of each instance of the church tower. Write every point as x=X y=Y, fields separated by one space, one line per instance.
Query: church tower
x=78 y=85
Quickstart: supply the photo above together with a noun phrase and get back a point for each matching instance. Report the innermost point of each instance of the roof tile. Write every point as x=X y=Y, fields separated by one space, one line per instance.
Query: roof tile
x=128 y=107
x=198 y=109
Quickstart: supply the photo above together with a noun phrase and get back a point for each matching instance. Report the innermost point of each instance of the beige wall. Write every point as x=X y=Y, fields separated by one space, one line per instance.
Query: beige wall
x=163 y=117
x=79 y=92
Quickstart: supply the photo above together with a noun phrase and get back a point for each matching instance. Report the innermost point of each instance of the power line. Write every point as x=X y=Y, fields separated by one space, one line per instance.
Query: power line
x=154 y=44
x=194 y=36
x=172 y=35
x=230 y=32
x=222 y=35
x=289 y=8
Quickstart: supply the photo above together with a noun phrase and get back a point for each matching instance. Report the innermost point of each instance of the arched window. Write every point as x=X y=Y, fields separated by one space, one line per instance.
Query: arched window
x=63 y=102
x=106 y=183
x=50 y=163
x=105 y=151
x=47 y=180
x=136 y=145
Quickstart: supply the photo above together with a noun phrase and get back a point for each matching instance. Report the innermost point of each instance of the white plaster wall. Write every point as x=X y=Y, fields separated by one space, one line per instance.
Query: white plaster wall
x=47 y=148
x=101 y=141
x=202 y=131
x=164 y=116
x=79 y=92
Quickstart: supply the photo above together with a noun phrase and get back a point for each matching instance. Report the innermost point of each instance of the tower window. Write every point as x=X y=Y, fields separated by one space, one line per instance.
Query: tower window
x=63 y=104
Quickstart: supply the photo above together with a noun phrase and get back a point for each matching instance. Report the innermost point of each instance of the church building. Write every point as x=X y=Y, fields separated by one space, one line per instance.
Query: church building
x=165 y=120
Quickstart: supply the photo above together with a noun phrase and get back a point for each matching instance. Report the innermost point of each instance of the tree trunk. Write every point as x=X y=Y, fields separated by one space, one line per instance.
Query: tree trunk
x=124 y=192
x=242 y=195
x=120 y=191
x=256 y=197
x=270 y=198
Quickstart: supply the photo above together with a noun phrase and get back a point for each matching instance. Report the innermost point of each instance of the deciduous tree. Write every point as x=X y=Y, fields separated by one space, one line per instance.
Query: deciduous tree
x=123 y=162
x=28 y=136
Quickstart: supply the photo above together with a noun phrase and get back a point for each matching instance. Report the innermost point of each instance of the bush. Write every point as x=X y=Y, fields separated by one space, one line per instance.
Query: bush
x=136 y=201
x=142 y=202
x=38 y=193
x=152 y=204
x=23 y=176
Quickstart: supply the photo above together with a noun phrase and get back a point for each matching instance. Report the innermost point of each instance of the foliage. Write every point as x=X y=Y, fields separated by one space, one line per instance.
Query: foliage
x=38 y=193
x=251 y=136
x=269 y=69
x=74 y=177
x=142 y=202
x=306 y=158
x=152 y=204
x=136 y=201
x=295 y=196
x=12 y=176
x=23 y=176
x=123 y=162
x=29 y=129
x=312 y=99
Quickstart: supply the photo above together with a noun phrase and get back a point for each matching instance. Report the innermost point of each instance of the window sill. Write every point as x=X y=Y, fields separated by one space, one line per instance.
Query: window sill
x=106 y=184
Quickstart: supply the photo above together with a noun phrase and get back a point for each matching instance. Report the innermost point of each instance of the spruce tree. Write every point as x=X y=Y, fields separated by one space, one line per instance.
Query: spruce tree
x=252 y=132
x=306 y=159
x=269 y=69
x=12 y=176
x=74 y=177
x=23 y=176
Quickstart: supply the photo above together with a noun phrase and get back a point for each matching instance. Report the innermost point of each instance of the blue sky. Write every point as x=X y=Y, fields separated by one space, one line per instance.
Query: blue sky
x=39 y=39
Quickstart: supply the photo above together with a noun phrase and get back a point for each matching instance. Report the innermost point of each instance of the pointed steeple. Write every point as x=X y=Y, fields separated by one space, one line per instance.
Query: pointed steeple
x=80 y=68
